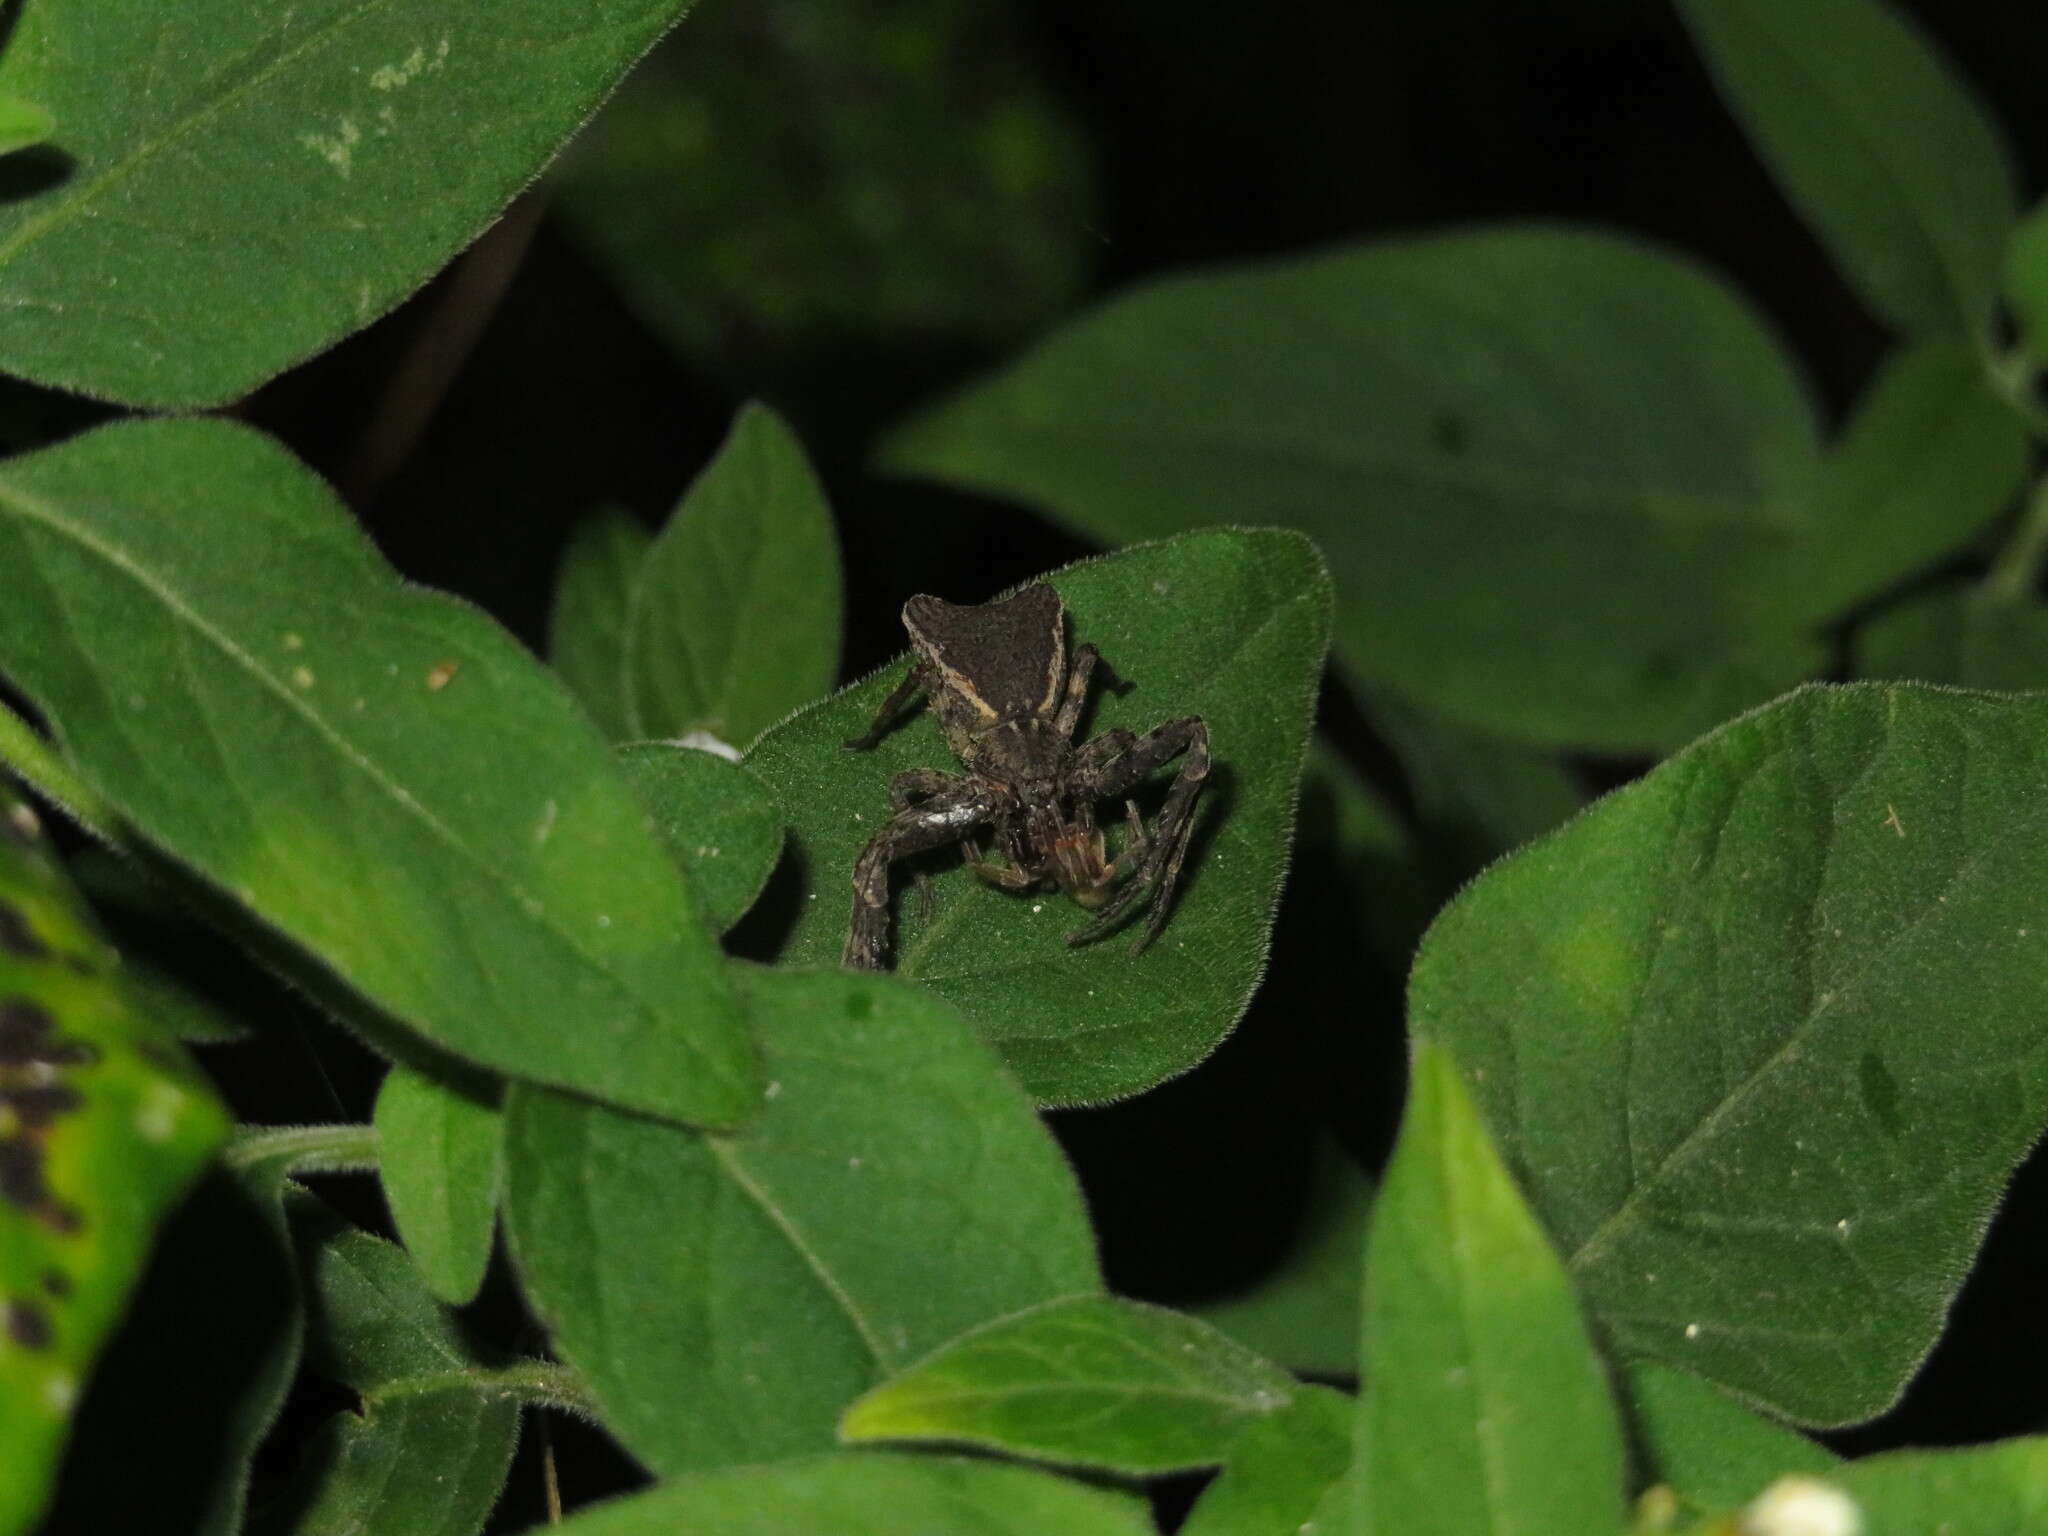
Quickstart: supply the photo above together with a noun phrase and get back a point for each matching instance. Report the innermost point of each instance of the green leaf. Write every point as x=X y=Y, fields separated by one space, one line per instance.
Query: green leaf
x=1708 y=1447
x=22 y=124
x=870 y=1494
x=587 y=625
x=734 y=620
x=1759 y=1033
x=1478 y=793
x=1878 y=144
x=1485 y=1408
x=104 y=1125
x=1087 y=1381
x=438 y=1142
x=1540 y=462
x=726 y=1296
x=427 y=1451
x=1978 y=1490
x=1932 y=455
x=2026 y=280
x=1304 y=1314
x=718 y=819
x=1960 y=634
x=244 y=185
x=1280 y=1470
x=1228 y=624
x=377 y=772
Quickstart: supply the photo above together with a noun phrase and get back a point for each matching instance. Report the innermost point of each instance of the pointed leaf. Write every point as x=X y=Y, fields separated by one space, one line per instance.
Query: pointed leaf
x=726 y=1296
x=438 y=1142
x=587 y=626
x=1959 y=633
x=1228 y=624
x=104 y=1125
x=376 y=771
x=1540 y=462
x=23 y=123
x=2026 y=281
x=871 y=1494
x=1709 y=1448
x=1280 y=1470
x=1087 y=1381
x=1977 y=1490
x=1759 y=1032
x=239 y=187
x=1878 y=143
x=718 y=819
x=734 y=620
x=1485 y=1408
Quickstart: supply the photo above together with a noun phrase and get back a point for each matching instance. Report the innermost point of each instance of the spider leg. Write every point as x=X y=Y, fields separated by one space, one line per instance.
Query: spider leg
x=945 y=818
x=905 y=790
x=1159 y=874
x=1086 y=661
x=878 y=727
x=1004 y=877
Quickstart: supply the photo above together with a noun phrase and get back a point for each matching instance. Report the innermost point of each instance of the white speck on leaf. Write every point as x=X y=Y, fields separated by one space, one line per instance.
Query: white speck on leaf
x=546 y=829
x=1692 y=1330
x=853 y=1162
x=396 y=77
x=294 y=642
x=302 y=677
x=60 y=1392
x=772 y=1091
x=1802 y=1506
x=707 y=741
x=157 y=1119
x=338 y=148
x=604 y=920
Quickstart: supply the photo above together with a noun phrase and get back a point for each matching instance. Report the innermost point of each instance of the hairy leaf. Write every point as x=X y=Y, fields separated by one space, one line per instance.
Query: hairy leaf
x=438 y=1141
x=719 y=821
x=377 y=772
x=1280 y=1470
x=1228 y=624
x=1761 y=1035
x=1710 y=1449
x=587 y=625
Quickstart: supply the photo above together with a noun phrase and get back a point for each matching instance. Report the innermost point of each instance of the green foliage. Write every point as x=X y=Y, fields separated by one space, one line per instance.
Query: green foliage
x=1698 y=1438
x=438 y=1140
x=1280 y=1470
x=22 y=124
x=719 y=821
x=587 y=629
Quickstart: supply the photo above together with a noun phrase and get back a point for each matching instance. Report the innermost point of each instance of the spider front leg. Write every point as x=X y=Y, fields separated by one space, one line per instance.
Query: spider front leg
x=945 y=818
x=1159 y=872
x=878 y=727
x=1087 y=660
x=907 y=789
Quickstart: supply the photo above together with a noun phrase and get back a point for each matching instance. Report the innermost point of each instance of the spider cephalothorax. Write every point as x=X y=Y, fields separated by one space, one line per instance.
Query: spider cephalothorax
x=998 y=678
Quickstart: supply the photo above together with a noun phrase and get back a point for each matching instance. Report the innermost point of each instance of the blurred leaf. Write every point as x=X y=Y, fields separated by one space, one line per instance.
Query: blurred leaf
x=1977 y=1490
x=23 y=123
x=1760 y=1033
x=427 y=1451
x=1280 y=1470
x=1932 y=455
x=725 y=1297
x=1960 y=634
x=1085 y=1381
x=1485 y=1408
x=719 y=821
x=784 y=175
x=1483 y=794
x=238 y=187
x=104 y=1125
x=1541 y=463
x=869 y=1494
x=587 y=626
x=734 y=618
x=438 y=1156
x=1878 y=143
x=1304 y=1314
x=2026 y=281
x=1228 y=624
x=1707 y=1446
x=376 y=771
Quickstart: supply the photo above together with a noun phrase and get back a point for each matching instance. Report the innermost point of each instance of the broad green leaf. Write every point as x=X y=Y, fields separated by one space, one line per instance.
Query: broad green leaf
x=1879 y=145
x=438 y=1145
x=377 y=772
x=1085 y=1381
x=1958 y=634
x=763 y=193
x=244 y=185
x=1759 y=1033
x=23 y=123
x=104 y=1125
x=869 y=1494
x=1540 y=462
x=719 y=821
x=1228 y=624
x=1279 y=1471
x=726 y=1296
x=1305 y=1313
x=734 y=618
x=1932 y=455
x=2026 y=281
x=1485 y=1408
x=427 y=1449
x=1477 y=793
x=1709 y=1448
x=1979 y=1490
x=587 y=625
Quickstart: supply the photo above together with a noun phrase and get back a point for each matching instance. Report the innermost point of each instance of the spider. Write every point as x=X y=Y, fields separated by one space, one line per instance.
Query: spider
x=998 y=678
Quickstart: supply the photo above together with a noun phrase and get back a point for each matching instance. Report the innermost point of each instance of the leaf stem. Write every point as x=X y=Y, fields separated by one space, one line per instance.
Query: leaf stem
x=33 y=759
x=346 y=1148
x=546 y=1383
x=2016 y=568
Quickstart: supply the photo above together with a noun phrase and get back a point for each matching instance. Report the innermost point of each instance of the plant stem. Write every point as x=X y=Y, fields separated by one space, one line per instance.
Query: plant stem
x=2016 y=568
x=546 y=1383
x=39 y=766
x=306 y=1148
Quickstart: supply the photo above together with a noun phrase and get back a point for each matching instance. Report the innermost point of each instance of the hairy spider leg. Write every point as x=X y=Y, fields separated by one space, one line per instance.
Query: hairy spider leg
x=1085 y=663
x=940 y=820
x=892 y=706
x=1160 y=872
x=905 y=790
